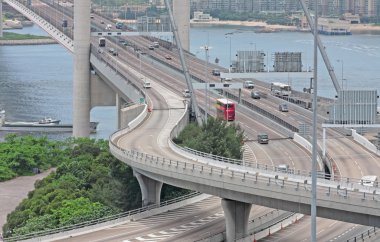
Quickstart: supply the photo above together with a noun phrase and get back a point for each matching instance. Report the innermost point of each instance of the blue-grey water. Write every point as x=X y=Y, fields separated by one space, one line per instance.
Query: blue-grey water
x=36 y=81
x=360 y=54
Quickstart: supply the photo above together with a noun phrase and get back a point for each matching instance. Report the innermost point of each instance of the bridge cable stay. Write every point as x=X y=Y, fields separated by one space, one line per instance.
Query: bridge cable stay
x=194 y=104
x=321 y=48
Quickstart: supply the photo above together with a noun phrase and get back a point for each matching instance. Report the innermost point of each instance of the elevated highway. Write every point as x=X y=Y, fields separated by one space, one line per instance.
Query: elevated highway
x=216 y=170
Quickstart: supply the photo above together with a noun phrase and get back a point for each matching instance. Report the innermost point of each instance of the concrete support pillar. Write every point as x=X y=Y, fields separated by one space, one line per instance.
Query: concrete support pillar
x=81 y=82
x=150 y=189
x=118 y=110
x=181 y=13
x=236 y=215
x=1 y=18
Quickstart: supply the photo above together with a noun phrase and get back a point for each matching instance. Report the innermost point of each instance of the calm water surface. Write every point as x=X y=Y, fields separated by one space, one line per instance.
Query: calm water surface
x=360 y=54
x=36 y=81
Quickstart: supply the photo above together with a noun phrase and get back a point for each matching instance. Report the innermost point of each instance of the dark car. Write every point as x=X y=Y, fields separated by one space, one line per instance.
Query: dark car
x=216 y=72
x=255 y=95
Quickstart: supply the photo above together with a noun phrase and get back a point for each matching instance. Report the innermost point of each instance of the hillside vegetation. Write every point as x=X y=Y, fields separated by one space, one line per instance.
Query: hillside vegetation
x=89 y=183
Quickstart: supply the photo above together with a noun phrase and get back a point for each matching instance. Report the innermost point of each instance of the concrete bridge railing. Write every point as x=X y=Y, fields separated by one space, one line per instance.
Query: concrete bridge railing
x=260 y=188
x=49 y=28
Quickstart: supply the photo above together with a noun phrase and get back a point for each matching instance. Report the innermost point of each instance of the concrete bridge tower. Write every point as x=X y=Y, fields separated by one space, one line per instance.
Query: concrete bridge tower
x=81 y=82
x=181 y=12
x=1 y=18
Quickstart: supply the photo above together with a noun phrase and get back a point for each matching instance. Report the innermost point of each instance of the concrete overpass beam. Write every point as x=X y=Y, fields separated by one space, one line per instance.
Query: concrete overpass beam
x=181 y=13
x=236 y=215
x=81 y=85
x=150 y=189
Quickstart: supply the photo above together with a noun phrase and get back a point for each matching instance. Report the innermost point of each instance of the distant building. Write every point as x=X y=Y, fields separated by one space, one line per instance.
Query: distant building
x=203 y=17
x=369 y=8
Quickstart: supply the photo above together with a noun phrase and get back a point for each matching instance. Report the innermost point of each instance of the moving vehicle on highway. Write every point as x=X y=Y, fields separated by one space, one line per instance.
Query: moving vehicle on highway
x=280 y=89
x=283 y=107
x=225 y=109
x=255 y=95
x=283 y=168
x=186 y=93
x=147 y=84
x=102 y=42
x=249 y=84
x=156 y=44
x=216 y=72
x=262 y=138
x=119 y=25
x=370 y=181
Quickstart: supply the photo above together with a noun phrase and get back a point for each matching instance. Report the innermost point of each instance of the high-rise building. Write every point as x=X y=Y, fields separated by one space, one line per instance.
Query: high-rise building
x=326 y=8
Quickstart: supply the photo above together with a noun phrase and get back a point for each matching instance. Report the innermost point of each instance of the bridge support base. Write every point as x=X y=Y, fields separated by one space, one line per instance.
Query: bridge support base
x=81 y=80
x=150 y=189
x=1 y=18
x=236 y=214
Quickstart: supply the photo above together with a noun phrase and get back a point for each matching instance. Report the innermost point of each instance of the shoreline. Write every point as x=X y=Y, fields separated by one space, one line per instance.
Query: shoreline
x=28 y=42
x=263 y=27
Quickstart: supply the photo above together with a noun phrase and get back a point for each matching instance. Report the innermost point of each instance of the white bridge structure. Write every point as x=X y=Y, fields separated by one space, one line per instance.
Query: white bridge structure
x=239 y=186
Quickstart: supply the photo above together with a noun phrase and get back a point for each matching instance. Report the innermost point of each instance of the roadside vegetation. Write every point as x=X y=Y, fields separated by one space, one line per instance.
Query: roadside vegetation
x=88 y=183
x=217 y=137
x=15 y=36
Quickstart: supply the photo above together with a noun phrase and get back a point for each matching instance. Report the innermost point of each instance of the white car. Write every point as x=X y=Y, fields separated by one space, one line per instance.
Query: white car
x=249 y=84
x=186 y=93
x=147 y=84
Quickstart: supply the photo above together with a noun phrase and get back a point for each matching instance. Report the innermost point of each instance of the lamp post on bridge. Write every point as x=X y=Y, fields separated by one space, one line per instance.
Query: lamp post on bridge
x=206 y=48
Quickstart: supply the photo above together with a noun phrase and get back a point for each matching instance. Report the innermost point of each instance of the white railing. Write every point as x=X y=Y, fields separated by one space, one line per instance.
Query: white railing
x=66 y=41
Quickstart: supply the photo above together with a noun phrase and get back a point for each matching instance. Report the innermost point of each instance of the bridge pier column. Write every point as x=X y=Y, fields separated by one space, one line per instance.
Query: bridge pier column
x=181 y=13
x=150 y=189
x=81 y=82
x=118 y=110
x=236 y=215
x=1 y=18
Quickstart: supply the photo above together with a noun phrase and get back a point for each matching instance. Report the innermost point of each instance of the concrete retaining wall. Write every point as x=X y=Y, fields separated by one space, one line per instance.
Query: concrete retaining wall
x=365 y=142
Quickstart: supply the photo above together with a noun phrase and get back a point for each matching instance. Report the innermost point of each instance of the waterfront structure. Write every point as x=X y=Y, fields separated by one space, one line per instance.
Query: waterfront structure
x=203 y=17
x=334 y=27
x=369 y=8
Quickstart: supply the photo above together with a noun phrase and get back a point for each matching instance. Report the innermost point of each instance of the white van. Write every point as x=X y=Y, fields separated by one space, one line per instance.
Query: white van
x=369 y=181
x=249 y=84
x=147 y=84
x=283 y=168
x=283 y=107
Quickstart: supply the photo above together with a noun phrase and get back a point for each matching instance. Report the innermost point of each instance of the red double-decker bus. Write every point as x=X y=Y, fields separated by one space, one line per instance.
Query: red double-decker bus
x=225 y=109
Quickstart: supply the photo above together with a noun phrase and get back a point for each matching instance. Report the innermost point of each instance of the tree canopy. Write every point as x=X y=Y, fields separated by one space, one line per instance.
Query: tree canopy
x=217 y=137
x=89 y=183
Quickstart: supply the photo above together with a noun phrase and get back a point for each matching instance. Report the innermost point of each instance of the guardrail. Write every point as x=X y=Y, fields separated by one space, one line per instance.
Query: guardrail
x=167 y=166
x=42 y=20
x=364 y=236
x=210 y=159
x=124 y=215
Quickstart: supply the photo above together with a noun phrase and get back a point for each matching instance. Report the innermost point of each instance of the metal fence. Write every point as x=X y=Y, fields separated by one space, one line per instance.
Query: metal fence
x=124 y=215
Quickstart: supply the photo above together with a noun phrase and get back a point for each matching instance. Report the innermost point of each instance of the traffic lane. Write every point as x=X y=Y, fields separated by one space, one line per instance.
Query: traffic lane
x=352 y=161
x=214 y=227
x=153 y=224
